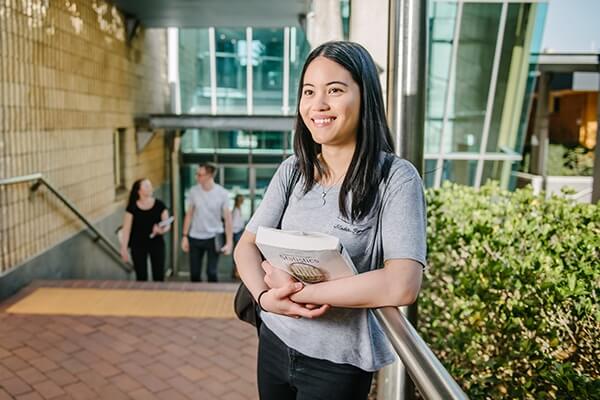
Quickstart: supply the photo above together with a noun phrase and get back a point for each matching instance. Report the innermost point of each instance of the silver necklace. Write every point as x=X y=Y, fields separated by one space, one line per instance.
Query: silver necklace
x=324 y=192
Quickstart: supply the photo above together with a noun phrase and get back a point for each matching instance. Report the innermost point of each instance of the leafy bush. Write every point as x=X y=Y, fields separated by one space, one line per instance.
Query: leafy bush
x=567 y=161
x=510 y=300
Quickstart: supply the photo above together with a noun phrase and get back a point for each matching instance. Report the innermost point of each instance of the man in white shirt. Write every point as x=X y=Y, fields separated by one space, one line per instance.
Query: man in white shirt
x=208 y=207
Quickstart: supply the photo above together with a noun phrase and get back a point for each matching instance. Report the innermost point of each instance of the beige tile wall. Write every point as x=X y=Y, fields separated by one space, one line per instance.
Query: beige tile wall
x=68 y=79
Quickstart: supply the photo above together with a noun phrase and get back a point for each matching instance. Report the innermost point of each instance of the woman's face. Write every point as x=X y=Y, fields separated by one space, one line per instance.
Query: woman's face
x=145 y=188
x=330 y=103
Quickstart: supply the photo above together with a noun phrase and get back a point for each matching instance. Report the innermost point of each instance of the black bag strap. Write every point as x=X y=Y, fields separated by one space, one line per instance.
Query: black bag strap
x=291 y=184
x=377 y=250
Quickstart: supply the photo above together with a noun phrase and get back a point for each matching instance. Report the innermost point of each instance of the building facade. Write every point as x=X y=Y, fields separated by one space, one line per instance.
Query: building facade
x=479 y=86
x=71 y=84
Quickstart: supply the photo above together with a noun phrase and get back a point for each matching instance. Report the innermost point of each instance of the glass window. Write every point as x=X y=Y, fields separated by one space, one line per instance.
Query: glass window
x=119 y=160
x=198 y=140
x=477 y=44
x=237 y=182
x=267 y=45
x=263 y=177
x=194 y=71
x=512 y=78
x=299 y=49
x=429 y=173
x=442 y=20
x=460 y=171
x=230 y=45
x=499 y=170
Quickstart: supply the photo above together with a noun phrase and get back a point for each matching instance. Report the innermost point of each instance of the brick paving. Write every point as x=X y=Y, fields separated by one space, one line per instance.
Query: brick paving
x=85 y=357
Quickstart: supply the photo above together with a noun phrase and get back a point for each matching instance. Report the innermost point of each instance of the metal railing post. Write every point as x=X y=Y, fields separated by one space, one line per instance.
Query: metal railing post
x=407 y=43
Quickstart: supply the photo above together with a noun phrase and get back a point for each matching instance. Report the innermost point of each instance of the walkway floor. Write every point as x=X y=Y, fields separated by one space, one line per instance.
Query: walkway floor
x=113 y=340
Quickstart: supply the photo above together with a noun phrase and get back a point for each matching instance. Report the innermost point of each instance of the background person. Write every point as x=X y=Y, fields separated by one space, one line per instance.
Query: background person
x=208 y=208
x=333 y=343
x=143 y=214
x=238 y=225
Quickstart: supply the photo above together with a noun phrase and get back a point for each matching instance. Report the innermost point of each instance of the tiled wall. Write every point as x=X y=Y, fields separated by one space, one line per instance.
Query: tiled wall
x=68 y=79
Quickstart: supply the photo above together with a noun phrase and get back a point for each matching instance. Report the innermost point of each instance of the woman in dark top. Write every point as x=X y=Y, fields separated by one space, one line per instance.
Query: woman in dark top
x=142 y=233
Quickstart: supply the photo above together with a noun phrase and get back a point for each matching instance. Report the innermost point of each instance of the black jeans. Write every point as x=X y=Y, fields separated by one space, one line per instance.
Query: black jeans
x=197 y=249
x=139 y=256
x=285 y=374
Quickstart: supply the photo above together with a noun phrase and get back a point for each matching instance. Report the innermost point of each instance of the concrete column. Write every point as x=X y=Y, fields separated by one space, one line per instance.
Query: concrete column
x=324 y=22
x=368 y=26
x=539 y=140
x=175 y=155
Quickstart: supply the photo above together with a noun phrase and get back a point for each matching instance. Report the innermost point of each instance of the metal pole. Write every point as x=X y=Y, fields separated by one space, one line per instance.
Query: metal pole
x=407 y=43
x=539 y=142
x=175 y=200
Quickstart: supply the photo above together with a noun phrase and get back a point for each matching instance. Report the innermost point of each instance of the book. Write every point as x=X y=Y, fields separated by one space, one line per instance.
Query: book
x=164 y=224
x=310 y=257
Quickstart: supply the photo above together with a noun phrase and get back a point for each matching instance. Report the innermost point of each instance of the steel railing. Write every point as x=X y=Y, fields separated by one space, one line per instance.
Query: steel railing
x=38 y=180
x=426 y=371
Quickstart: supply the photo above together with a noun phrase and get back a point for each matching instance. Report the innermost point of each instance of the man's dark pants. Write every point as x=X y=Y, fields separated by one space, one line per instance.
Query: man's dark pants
x=197 y=249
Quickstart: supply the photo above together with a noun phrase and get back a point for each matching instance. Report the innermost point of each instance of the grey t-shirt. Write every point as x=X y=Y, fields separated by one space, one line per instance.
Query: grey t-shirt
x=208 y=211
x=344 y=335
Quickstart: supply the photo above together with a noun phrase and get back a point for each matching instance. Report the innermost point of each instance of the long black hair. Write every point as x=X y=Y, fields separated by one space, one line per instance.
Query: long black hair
x=372 y=136
x=133 y=194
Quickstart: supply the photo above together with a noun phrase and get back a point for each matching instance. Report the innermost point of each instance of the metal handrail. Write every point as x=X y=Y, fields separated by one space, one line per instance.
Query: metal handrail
x=39 y=180
x=427 y=372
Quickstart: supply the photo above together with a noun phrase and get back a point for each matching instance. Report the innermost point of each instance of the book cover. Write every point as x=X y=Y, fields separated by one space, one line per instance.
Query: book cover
x=310 y=257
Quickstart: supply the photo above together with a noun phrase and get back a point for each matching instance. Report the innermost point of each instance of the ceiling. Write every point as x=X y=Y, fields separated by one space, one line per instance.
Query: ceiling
x=217 y=13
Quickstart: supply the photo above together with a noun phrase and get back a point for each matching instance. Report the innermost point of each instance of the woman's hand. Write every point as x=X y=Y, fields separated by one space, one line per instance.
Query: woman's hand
x=157 y=230
x=185 y=244
x=278 y=301
x=275 y=277
x=124 y=254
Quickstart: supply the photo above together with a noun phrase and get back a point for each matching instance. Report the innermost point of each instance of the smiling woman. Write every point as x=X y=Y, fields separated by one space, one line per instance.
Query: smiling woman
x=332 y=343
x=330 y=103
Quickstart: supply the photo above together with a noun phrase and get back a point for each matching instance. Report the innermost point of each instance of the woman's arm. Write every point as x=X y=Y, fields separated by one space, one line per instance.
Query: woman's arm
x=157 y=230
x=187 y=221
x=228 y=231
x=248 y=261
x=397 y=284
x=125 y=233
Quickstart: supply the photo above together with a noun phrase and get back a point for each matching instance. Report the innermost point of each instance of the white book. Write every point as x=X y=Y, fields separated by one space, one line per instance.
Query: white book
x=310 y=257
x=163 y=224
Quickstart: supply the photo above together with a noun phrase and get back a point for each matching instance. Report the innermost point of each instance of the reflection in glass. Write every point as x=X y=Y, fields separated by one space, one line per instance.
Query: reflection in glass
x=512 y=77
x=194 y=71
x=460 y=171
x=236 y=181
x=442 y=23
x=299 y=49
x=231 y=61
x=498 y=170
x=429 y=173
x=267 y=70
x=263 y=177
x=476 y=47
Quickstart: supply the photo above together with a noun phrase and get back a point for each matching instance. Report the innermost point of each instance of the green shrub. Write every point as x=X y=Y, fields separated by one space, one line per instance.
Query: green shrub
x=510 y=300
x=570 y=161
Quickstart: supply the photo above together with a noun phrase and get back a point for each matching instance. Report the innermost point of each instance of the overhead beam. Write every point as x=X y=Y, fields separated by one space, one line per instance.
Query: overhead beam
x=221 y=123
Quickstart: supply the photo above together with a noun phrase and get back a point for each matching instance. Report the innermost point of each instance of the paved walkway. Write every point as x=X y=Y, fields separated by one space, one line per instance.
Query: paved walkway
x=53 y=346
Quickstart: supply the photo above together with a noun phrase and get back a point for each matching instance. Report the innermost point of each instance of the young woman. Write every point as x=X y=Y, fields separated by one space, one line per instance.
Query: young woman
x=142 y=233
x=321 y=341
